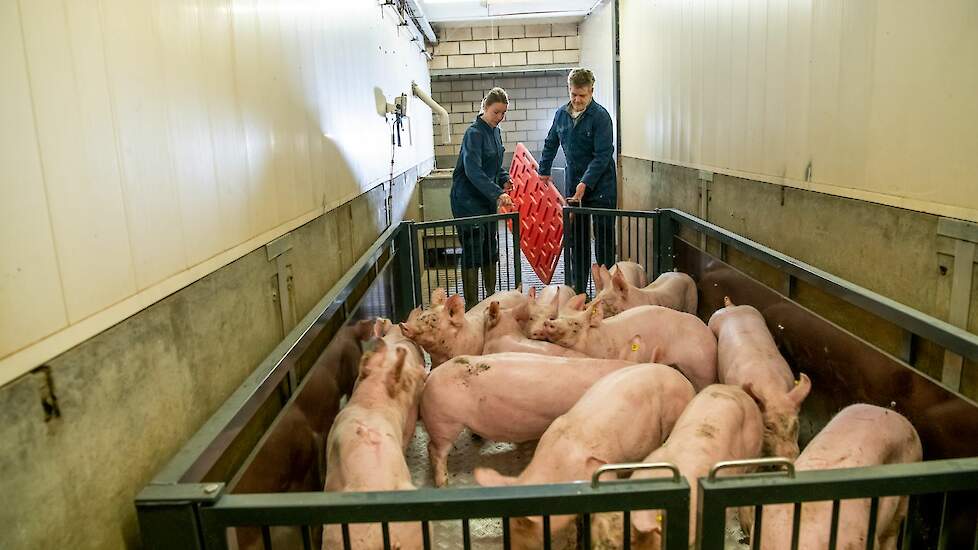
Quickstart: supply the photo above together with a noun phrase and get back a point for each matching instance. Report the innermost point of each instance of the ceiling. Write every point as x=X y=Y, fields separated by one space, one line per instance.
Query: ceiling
x=505 y=12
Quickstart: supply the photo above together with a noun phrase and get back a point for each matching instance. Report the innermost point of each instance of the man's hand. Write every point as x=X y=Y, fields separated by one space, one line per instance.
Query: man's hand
x=579 y=192
x=504 y=203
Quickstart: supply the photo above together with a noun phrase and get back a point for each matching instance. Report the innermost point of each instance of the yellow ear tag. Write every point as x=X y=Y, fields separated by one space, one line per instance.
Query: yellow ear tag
x=635 y=348
x=796 y=382
x=659 y=518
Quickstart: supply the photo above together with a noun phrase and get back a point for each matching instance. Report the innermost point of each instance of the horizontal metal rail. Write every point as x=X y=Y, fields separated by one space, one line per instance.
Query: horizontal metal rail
x=919 y=478
x=300 y=509
x=945 y=334
x=471 y=220
x=193 y=460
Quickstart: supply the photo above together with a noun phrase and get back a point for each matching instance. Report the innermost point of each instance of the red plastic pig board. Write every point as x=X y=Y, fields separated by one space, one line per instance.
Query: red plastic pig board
x=541 y=219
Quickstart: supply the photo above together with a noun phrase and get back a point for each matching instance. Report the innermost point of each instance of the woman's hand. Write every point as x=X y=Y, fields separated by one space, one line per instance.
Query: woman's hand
x=504 y=203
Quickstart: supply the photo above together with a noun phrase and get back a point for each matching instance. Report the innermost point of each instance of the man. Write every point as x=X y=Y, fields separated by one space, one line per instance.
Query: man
x=584 y=129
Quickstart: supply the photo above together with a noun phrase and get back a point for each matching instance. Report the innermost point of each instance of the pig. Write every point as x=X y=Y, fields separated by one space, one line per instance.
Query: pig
x=632 y=272
x=721 y=423
x=365 y=446
x=621 y=418
x=673 y=290
x=747 y=356
x=544 y=306
x=859 y=435
x=504 y=333
x=445 y=330
x=669 y=336
x=502 y=397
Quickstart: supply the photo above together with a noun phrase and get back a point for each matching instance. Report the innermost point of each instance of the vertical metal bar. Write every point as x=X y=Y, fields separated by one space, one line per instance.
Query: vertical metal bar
x=506 y=541
x=944 y=531
x=666 y=233
x=466 y=537
x=626 y=528
x=517 y=263
x=908 y=348
x=568 y=235
x=834 y=530
x=385 y=531
x=417 y=254
x=629 y=237
x=266 y=537
x=427 y=269
x=645 y=260
x=789 y=286
x=425 y=535
x=795 y=526
x=509 y=267
x=586 y=531
x=758 y=525
x=908 y=531
x=723 y=251
x=546 y=533
x=346 y=536
x=620 y=245
x=306 y=532
x=404 y=299
x=874 y=508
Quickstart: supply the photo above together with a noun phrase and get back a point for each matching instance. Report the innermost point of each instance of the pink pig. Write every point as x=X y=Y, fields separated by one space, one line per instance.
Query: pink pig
x=860 y=435
x=622 y=418
x=721 y=423
x=365 y=446
x=445 y=330
x=632 y=272
x=669 y=336
x=673 y=290
x=504 y=333
x=502 y=397
x=747 y=356
x=544 y=306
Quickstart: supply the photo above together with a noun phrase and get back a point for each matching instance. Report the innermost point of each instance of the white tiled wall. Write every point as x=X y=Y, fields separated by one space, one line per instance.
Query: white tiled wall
x=533 y=99
x=508 y=46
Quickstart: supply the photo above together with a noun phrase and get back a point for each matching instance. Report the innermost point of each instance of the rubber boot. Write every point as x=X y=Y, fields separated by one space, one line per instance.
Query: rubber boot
x=489 y=278
x=470 y=287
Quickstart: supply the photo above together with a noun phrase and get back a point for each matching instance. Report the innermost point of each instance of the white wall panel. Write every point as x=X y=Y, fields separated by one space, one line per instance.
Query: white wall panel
x=174 y=134
x=137 y=88
x=876 y=96
x=31 y=300
x=597 y=35
x=85 y=200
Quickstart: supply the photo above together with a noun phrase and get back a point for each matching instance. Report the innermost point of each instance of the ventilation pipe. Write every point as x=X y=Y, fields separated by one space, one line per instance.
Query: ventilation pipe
x=446 y=134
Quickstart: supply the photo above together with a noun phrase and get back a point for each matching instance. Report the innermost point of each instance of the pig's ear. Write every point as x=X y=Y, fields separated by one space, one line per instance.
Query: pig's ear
x=373 y=359
x=394 y=375
x=533 y=293
x=487 y=477
x=492 y=315
x=647 y=521
x=801 y=389
x=456 y=309
x=364 y=329
x=439 y=296
x=577 y=302
x=596 y=277
x=749 y=388
x=618 y=279
x=596 y=313
x=407 y=331
x=380 y=327
x=727 y=302
x=415 y=313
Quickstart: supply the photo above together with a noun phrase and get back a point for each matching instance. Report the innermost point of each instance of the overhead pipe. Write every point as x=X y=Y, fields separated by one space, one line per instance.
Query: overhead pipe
x=421 y=21
x=446 y=134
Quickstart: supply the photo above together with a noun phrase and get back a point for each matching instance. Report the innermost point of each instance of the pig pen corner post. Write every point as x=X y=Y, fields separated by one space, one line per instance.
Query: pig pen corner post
x=408 y=292
x=664 y=231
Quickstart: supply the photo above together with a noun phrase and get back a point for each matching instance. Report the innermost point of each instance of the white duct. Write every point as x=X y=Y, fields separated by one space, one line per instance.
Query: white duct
x=446 y=134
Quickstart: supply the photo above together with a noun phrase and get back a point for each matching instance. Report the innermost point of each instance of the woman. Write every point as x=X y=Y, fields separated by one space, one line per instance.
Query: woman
x=477 y=190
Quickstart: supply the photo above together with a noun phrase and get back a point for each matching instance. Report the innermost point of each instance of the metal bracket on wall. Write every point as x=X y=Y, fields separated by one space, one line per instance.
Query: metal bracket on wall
x=965 y=237
x=285 y=292
x=705 y=178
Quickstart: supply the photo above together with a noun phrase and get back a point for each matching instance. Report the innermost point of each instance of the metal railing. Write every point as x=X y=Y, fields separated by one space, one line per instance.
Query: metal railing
x=954 y=481
x=445 y=248
x=606 y=236
x=306 y=512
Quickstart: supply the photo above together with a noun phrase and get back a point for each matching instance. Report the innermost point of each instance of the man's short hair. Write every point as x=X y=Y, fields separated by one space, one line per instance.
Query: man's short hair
x=580 y=77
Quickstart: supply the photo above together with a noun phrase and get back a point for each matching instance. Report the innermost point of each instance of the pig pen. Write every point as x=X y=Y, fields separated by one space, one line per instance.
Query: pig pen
x=252 y=476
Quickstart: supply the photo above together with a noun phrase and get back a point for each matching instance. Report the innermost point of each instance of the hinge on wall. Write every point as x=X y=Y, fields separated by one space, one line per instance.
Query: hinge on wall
x=49 y=401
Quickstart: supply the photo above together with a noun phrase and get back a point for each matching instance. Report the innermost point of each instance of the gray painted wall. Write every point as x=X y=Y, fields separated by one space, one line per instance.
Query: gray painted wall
x=895 y=252
x=129 y=397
